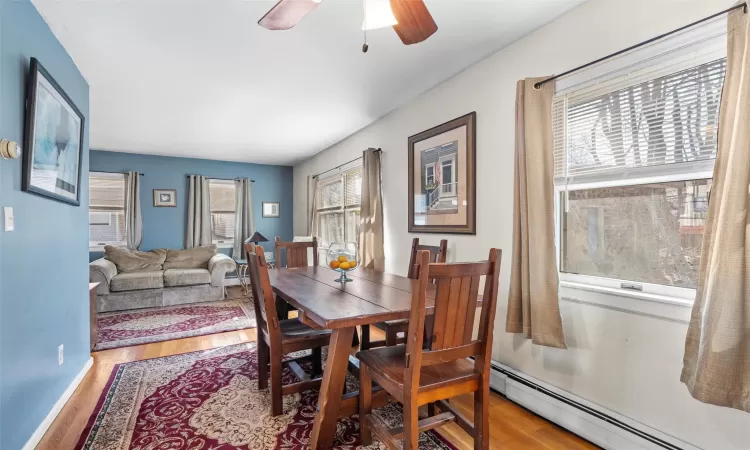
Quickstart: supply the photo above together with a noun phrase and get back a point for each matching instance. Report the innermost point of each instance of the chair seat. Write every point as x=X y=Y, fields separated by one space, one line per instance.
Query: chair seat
x=388 y=362
x=292 y=330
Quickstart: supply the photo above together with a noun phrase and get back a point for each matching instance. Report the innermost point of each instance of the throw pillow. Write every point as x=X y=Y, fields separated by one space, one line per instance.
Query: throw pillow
x=128 y=261
x=192 y=258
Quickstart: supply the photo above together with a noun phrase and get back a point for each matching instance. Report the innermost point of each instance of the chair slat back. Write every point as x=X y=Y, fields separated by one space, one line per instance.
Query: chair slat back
x=438 y=254
x=455 y=308
x=296 y=252
x=263 y=297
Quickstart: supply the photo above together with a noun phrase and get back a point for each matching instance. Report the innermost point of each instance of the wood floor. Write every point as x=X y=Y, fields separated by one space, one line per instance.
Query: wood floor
x=511 y=427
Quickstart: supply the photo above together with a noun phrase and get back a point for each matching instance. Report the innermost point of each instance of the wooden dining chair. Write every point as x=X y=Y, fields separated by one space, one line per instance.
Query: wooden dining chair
x=416 y=376
x=392 y=329
x=296 y=252
x=296 y=256
x=277 y=338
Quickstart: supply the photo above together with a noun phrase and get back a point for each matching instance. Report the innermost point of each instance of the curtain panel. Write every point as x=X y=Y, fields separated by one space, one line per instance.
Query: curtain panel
x=312 y=195
x=371 y=250
x=133 y=219
x=533 y=304
x=244 y=223
x=716 y=365
x=198 y=232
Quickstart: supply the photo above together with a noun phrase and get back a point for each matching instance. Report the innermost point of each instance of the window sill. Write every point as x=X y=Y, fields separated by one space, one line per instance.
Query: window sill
x=223 y=244
x=100 y=247
x=662 y=307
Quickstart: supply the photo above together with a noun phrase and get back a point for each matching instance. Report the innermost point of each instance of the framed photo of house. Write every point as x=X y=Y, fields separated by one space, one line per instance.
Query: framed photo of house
x=271 y=210
x=442 y=178
x=165 y=197
x=53 y=141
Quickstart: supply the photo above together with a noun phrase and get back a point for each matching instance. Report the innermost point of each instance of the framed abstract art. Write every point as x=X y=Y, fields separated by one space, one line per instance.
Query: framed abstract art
x=54 y=139
x=442 y=178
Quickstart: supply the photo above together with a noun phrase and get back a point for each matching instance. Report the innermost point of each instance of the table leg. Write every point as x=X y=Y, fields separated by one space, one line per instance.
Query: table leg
x=331 y=389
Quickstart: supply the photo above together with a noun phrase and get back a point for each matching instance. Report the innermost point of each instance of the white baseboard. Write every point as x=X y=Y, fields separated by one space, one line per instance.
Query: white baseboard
x=58 y=406
x=588 y=425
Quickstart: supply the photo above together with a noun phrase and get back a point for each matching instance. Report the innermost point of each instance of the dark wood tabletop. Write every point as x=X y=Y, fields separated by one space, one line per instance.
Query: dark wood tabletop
x=370 y=298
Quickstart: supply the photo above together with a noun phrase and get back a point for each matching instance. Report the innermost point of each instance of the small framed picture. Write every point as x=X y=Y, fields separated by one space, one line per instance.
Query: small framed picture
x=271 y=209
x=165 y=197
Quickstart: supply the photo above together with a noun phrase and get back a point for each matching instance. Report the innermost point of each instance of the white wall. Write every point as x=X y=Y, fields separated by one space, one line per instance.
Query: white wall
x=629 y=363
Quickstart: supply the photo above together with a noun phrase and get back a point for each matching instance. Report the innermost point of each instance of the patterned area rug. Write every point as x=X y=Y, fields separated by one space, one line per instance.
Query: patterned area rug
x=124 y=328
x=210 y=400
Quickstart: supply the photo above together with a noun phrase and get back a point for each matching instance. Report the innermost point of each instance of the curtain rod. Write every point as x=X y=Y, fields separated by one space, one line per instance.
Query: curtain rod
x=342 y=165
x=223 y=179
x=120 y=173
x=641 y=44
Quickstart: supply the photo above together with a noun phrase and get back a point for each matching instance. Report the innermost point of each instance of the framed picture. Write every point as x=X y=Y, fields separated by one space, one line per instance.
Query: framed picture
x=165 y=197
x=442 y=178
x=53 y=145
x=271 y=209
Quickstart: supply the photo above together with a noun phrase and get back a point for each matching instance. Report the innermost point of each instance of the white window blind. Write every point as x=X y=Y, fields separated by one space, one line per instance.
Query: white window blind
x=222 y=200
x=337 y=201
x=668 y=120
x=106 y=208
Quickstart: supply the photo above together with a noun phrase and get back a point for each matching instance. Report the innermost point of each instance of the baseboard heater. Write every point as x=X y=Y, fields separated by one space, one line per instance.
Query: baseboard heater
x=606 y=429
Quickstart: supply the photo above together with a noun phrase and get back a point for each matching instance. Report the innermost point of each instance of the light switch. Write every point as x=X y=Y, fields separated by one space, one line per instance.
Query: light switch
x=9 y=219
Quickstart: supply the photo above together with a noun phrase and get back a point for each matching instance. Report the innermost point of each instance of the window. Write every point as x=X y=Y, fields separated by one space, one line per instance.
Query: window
x=429 y=175
x=337 y=207
x=633 y=162
x=221 y=194
x=106 y=209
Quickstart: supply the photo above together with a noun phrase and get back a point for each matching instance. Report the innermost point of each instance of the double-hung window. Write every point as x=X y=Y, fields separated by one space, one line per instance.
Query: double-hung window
x=221 y=194
x=337 y=202
x=106 y=209
x=634 y=150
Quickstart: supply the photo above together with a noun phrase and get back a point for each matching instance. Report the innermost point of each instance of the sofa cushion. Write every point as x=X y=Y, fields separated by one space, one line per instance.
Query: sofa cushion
x=137 y=280
x=186 y=277
x=128 y=261
x=192 y=258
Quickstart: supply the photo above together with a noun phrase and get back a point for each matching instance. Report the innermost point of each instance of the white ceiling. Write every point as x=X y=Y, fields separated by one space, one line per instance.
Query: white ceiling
x=202 y=79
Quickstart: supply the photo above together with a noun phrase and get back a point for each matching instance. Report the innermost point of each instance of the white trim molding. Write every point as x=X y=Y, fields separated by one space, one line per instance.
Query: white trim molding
x=57 y=407
x=592 y=422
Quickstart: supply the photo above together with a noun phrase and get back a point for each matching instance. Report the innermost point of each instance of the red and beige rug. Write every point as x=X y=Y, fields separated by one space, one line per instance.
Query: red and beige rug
x=143 y=326
x=210 y=401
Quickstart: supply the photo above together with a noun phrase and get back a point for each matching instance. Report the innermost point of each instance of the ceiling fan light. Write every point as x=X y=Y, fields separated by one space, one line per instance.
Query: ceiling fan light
x=378 y=14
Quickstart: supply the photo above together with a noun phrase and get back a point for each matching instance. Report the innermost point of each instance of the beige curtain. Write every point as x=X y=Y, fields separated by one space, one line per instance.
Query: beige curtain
x=133 y=220
x=533 y=307
x=244 y=222
x=371 y=213
x=198 y=231
x=312 y=195
x=717 y=349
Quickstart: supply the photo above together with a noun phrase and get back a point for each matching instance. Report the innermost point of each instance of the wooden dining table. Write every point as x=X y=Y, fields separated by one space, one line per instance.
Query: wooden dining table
x=370 y=298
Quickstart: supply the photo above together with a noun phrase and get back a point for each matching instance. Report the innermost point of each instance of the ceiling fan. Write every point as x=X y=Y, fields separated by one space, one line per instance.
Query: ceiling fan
x=410 y=18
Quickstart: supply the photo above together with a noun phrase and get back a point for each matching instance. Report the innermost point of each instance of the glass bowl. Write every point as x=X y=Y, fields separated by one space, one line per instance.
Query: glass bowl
x=343 y=257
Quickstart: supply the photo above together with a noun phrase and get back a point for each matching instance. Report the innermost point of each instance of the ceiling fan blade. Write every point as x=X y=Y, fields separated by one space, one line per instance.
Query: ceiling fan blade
x=415 y=23
x=287 y=13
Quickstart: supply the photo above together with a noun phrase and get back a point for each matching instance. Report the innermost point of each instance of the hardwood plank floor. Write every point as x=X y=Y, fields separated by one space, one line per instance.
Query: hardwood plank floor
x=511 y=426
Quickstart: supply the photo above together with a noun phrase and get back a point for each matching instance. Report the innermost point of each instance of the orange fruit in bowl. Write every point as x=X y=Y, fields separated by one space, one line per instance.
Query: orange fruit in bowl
x=352 y=264
x=342 y=258
x=334 y=264
x=344 y=266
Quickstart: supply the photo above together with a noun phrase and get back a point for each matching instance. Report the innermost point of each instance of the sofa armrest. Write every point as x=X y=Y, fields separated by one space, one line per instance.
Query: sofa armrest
x=102 y=271
x=219 y=265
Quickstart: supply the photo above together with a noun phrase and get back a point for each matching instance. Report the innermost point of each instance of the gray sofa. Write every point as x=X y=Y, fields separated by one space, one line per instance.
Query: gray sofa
x=133 y=279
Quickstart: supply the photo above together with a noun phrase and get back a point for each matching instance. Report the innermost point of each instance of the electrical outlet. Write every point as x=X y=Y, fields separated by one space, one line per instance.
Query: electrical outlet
x=60 y=354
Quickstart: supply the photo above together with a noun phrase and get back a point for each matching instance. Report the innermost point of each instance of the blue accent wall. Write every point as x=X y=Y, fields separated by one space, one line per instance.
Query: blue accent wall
x=165 y=227
x=43 y=263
